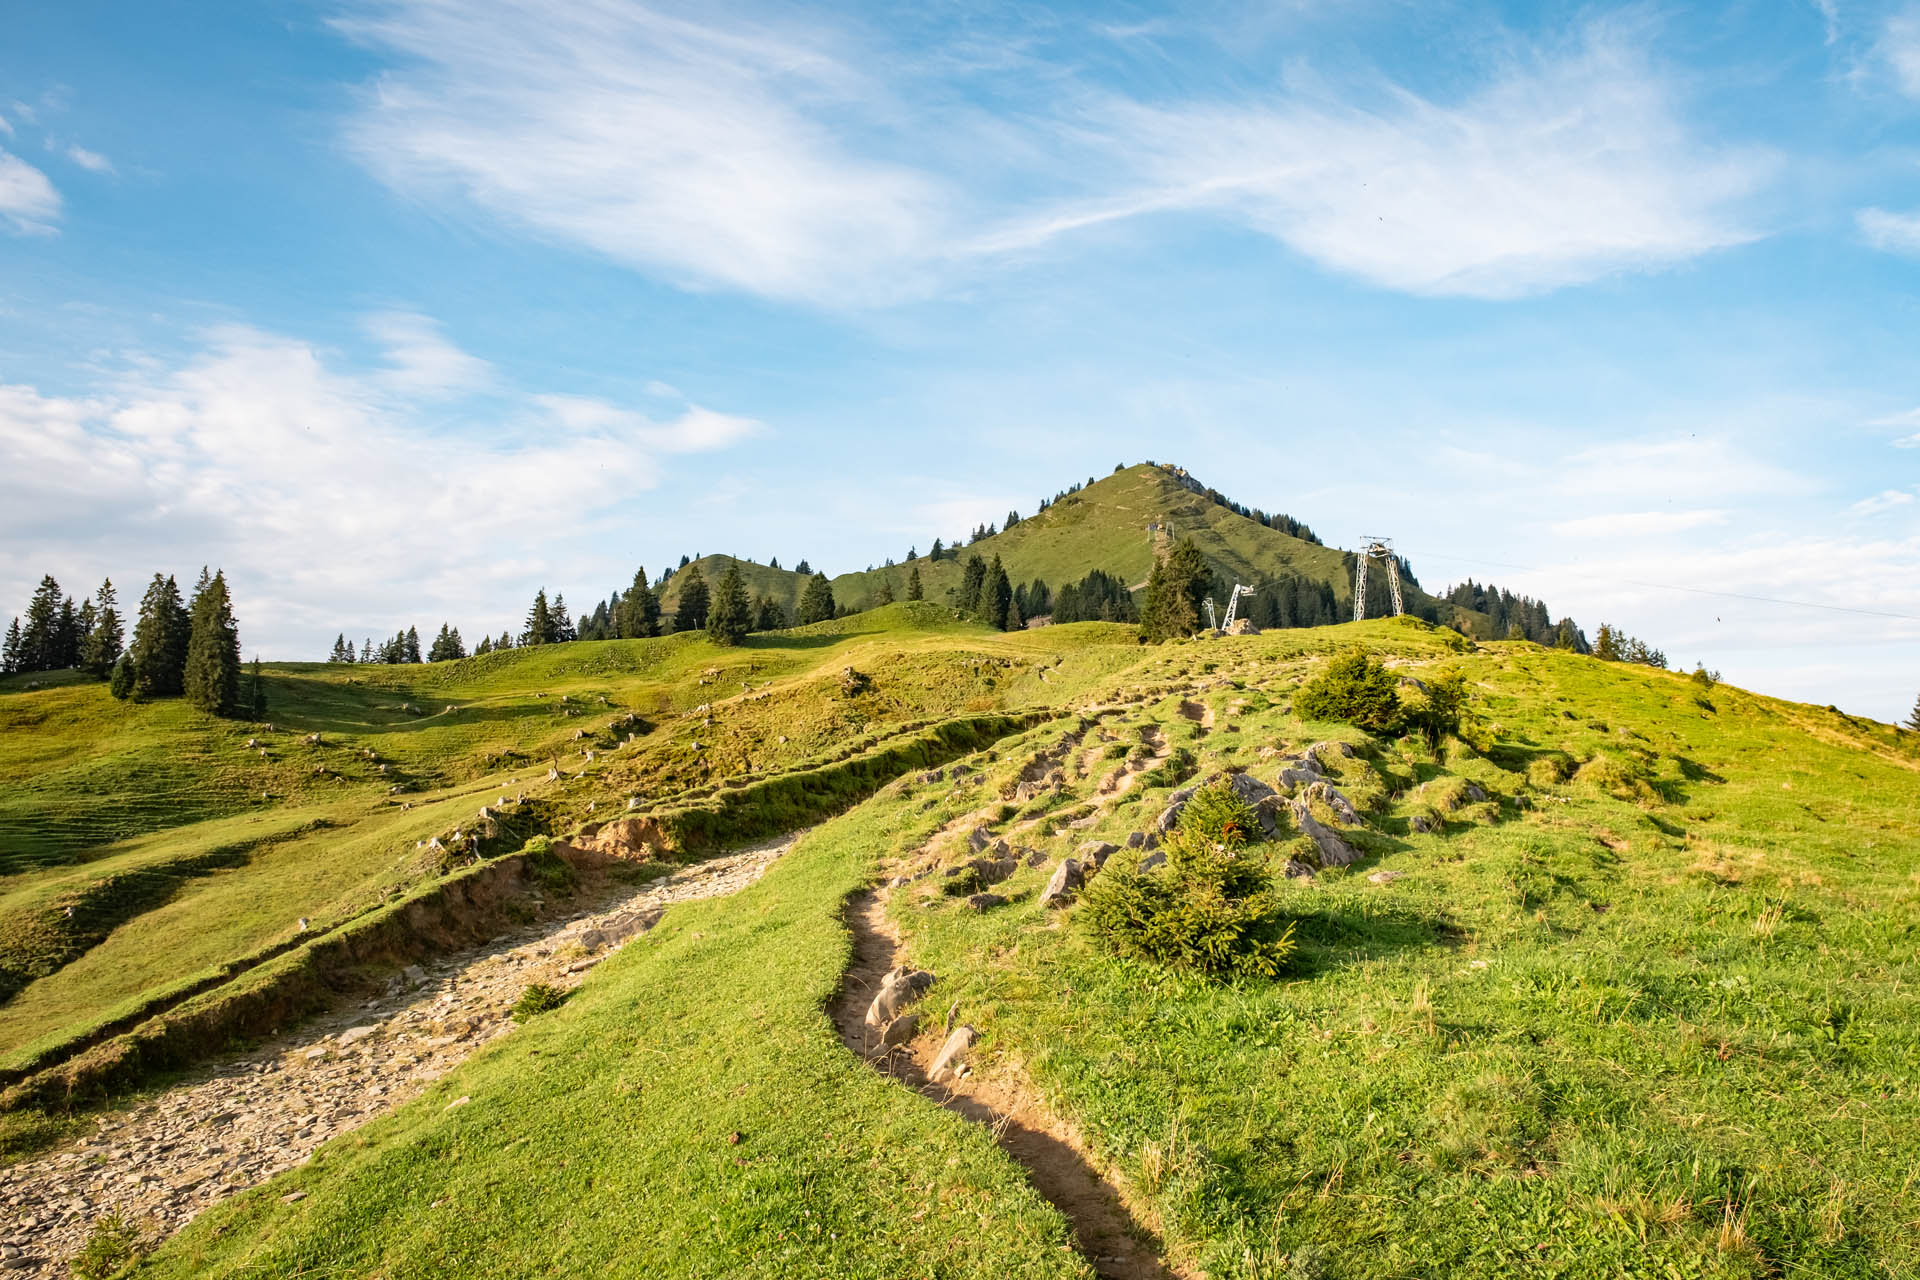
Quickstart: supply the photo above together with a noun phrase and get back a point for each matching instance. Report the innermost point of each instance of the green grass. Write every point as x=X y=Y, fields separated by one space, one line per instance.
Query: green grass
x=1651 y=1009
x=1675 y=1037
x=598 y=1139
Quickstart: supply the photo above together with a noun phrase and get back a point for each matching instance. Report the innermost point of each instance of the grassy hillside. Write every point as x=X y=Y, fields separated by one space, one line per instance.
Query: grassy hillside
x=156 y=850
x=1113 y=525
x=1649 y=1008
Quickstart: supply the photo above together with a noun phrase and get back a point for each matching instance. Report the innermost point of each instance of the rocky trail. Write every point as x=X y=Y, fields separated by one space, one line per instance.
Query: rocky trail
x=931 y=1058
x=234 y=1124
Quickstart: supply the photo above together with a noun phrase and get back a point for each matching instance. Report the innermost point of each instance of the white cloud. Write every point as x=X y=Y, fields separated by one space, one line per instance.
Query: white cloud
x=1900 y=46
x=420 y=361
x=6 y=127
x=92 y=161
x=817 y=166
x=1641 y=524
x=1560 y=171
x=307 y=482
x=27 y=200
x=1686 y=468
x=1891 y=232
x=706 y=153
x=697 y=430
x=1885 y=500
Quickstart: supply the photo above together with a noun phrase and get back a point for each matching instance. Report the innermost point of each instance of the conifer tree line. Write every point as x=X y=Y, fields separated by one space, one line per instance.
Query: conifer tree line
x=178 y=647
x=1610 y=644
x=1518 y=617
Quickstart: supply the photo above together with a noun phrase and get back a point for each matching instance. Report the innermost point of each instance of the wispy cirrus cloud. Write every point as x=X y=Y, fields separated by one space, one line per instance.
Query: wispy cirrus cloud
x=1900 y=46
x=721 y=150
x=28 y=202
x=91 y=161
x=1890 y=231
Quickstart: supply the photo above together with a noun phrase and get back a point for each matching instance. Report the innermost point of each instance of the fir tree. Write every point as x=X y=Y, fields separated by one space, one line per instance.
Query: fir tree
x=1175 y=589
x=541 y=628
x=1606 y=645
x=563 y=629
x=107 y=638
x=367 y=653
x=804 y=569
x=884 y=595
x=10 y=656
x=972 y=582
x=639 y=613
x=504 y=642
x=413 y=645
x=997 y=597
x=120 y=683
x=731 y=615
x=768 y=615
x=914 y=590
x=68 y=637
x=256 y=699
x=1913 y=721
x=485 y=646
x=212 y=678
x=160 y=637
x=40 y=638
x=695 y=597
x=938 y=548
x=816 y=602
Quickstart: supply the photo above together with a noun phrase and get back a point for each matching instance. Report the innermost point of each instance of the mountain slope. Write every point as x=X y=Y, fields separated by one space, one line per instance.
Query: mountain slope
x=1117 y=525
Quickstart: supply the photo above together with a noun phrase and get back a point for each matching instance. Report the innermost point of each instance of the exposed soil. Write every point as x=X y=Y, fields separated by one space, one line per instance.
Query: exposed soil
x=1116 y=1245
x=233 y=1124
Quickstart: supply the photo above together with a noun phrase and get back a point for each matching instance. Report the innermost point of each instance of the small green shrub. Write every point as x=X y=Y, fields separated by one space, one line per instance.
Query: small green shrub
x=1354 y=689
x=1440 y=710
x=1549 y=770
x=113 y=1245
x=1210 y=908
x=537 y=999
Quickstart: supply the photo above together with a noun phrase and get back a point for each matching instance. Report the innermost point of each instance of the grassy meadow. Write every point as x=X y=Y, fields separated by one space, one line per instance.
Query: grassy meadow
x=1647 y=1009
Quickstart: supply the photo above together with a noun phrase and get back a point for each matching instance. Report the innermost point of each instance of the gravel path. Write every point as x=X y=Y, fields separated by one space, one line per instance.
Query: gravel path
x=236 y=1123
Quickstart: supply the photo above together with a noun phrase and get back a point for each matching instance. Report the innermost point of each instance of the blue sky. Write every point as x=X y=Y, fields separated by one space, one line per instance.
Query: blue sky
x=398 y=309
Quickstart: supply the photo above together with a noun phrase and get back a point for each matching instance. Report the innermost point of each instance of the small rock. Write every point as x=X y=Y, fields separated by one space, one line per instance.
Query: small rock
x=1385 y=877
x=1153 y=860
x=985 y=901
x=354 y=1035
x=1094 y=853
x=1066 y=879
x=953 y=1053
x=293 y=1197
x=460 y=1101
x=900 y=1030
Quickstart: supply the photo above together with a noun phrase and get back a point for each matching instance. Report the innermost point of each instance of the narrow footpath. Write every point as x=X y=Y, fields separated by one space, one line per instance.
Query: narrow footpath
x=234 y=1124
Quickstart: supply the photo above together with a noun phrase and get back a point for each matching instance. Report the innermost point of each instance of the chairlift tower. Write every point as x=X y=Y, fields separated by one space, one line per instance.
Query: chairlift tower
x=1233 y=604
x=1210 y=622
x=1371 y=549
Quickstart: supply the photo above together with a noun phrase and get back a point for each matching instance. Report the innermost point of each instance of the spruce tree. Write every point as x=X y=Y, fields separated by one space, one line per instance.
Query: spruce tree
x=212 y=679
x=997 y=596
x=1606 y=645
x=914 y=590
x=40 y=639
x=1175 y=589
x=540 y=624
x=939 y=548
x=504 y=642
x=768 y=615
x=413 y=645
x=639 y=613
x=10 y=656
x=1913 y=721
x=884 y=595
x=107 y=638
x=695 y=598
x=485 y=646
x=367 y=653
x=160 y=637
x=120 y=683
x=816 y=602
x=804 y=569
x=973 y=580
x=67 y=637
x=563 y=630
x=731 y=615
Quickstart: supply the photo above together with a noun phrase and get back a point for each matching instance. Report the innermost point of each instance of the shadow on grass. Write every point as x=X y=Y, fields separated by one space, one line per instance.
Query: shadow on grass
x=1334 y=937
